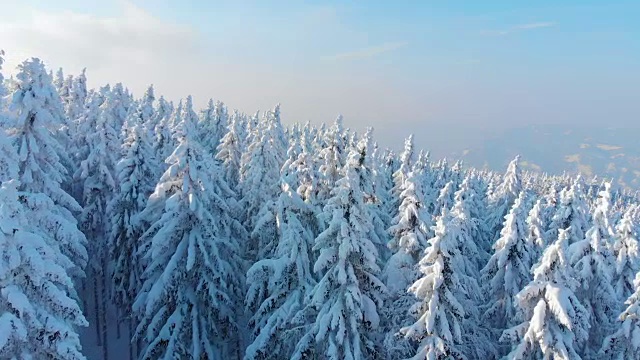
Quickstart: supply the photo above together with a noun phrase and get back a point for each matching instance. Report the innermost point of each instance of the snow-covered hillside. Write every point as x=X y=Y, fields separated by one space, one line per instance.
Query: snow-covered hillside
x=137 y=228
x=609 y=153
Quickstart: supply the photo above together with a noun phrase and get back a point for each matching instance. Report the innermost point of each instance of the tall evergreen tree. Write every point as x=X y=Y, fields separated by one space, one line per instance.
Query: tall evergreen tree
x=627 y=253
x=260 y=187
x=593 y=261
x=442 y=295
x=536 y=223
x=40 y=155
x=349 y=293
x=504 y=196
x=571 y=213
x=555 y=323
x=134 y=175
x=624 y=344
x=410 y=233
x=213 y=122
x=508 y=269
x=229 y=151
x=407 y=159
x=37 y=314
x=193 y=278
x=286 y=279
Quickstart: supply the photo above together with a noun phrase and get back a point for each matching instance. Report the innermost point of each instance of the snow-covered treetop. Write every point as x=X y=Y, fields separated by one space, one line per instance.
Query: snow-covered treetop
x=2 y=89
x=511 y=185
x=408 y=156
x=554 y=265
x=35 y=98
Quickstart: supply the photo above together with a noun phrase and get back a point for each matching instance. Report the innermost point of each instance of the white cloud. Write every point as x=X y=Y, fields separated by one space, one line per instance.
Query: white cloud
x=536 y=25
x=368 y=52
x=519 y=28
x=130 y=47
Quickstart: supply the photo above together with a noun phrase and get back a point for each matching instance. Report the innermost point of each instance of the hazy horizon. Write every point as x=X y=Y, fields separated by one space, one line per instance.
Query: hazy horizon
x=463 y=70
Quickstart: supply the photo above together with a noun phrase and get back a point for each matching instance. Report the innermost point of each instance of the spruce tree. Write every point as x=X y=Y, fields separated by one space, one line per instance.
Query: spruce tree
x=624 y=344
x=348 y=295
x=134 y=175
x=508 y=269
x=627 y=253
x=37 y=118
x=555 y=323
x=38 y=317
x=593 y=261
x=442 y=295
x=504 y=196
x=286 y=279
x=229 y=151
x=193 y=279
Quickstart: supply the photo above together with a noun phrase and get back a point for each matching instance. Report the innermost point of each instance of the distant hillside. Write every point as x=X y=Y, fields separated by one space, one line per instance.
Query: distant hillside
x=609 y=152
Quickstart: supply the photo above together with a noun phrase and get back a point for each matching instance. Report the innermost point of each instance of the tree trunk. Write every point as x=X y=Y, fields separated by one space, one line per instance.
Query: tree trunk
x=118 y=321
x=85 y=296
x=131 y=329
x=96 y=309
x=105 y=337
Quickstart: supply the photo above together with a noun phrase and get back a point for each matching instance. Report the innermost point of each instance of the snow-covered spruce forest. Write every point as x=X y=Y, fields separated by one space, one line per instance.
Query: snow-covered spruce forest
x=144 y=229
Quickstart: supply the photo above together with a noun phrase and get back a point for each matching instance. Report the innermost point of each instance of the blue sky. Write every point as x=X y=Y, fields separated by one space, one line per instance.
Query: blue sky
x=412 y=66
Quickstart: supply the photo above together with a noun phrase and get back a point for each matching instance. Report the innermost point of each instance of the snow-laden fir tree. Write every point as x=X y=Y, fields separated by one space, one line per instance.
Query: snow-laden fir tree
x=96 y=174
x=213 y=123
x=627 y=253
x=3 y=90
x=444 y=201
x=143 y=114
x=383 y=183
x=508 y=270
x=8 y=158
x=476 y=203
x=229 y=151
x=442 y=295
x=571 y=212
x=476 y=342
x=407 y=159
x=134 y=175
x=86 y=124
x=77 y=97
x=410 y=233
x=286 y=279
x=624 y=344
x=473 y=247
x=119 y=106
x=40 y=121
x=503 y=197
x=163 y=142
x=535 y=229
x=348 y=295
x=38 y=318
x=260 y=186
x=74 y=105
x=8 y=155
x=59 y=83
x=332 y=159
x=594 y=264
x=192 y=282
x=555 y=323
x=35 y=118
x=366 y=172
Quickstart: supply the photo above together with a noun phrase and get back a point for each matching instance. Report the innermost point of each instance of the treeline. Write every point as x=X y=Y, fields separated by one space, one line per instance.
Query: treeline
x=220 y=235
